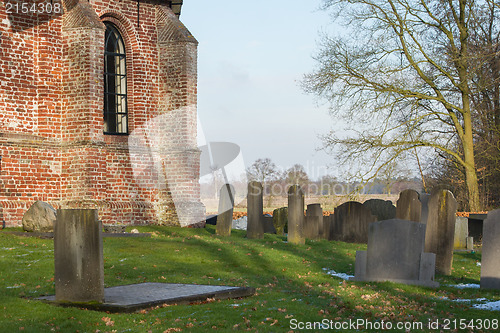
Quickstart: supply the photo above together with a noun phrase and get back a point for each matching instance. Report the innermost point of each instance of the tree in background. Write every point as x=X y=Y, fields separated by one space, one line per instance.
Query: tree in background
x=402 y=75
x=297 y=175
x=484 y=44
x=263 y=170
x=329 y=185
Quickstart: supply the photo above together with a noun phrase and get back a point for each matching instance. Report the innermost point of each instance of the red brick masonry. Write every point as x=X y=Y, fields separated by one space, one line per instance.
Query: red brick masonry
x=52 y=145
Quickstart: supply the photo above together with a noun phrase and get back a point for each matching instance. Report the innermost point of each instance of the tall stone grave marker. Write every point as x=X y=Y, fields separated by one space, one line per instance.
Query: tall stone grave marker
x=296 y=215
x=395 y=252
x=408 y=206
x=350 y=222
x=280 y=220
x=79 y=265
x=490 y=262
x=225 y=214
x=255 y=211
x=461 y=233
x=313 y=228
x=440 y=231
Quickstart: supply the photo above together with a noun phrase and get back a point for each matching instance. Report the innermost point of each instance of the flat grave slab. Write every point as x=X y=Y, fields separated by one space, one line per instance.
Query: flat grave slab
x=133 y=297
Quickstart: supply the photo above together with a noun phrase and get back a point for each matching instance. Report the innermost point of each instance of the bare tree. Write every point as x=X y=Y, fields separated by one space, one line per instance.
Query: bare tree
x=263 y=170
x=298 y=175
x=402 y=75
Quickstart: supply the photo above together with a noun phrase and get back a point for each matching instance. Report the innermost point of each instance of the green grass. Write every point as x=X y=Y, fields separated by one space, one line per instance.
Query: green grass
x=290 y=281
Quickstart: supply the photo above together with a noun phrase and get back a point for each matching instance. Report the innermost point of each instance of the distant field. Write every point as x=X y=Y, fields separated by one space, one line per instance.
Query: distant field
x=328 y=203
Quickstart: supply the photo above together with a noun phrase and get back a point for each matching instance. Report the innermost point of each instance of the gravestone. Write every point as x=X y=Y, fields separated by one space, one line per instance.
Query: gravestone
x=327 y=226
x=382 y=209
x=350 y=222
x=313 y=227
x=296 y=215
x=79 y=265
x=440 y=231
x=470 y=243
x=408 y=206
x=267 y=221
x=225 y=214
x=255 y=210
x=461 y=233
x=490 y=261
x=39 y=217
x=280 y=220
x=395 y=252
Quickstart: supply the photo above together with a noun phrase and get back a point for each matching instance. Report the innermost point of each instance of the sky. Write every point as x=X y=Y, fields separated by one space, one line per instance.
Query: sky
x=252 y=56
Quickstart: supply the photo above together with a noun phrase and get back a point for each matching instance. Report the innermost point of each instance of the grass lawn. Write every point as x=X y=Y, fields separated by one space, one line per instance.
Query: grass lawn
x=292 y=286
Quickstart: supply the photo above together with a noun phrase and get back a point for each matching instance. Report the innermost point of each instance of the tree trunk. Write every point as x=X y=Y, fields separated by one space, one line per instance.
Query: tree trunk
x=472 y=189
x=470 y=166
x=467 y=138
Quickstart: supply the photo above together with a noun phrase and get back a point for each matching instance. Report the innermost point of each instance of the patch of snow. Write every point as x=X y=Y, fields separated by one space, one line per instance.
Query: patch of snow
x=464 y=285
x=240 y=224
x=492 y=306
x=461 y=300
x=343 y=276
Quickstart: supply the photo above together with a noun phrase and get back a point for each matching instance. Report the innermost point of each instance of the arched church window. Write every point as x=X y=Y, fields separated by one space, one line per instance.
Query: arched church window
x=115 y=82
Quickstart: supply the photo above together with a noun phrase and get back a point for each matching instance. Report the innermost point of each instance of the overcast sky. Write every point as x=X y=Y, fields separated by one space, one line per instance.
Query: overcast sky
x=251 y=57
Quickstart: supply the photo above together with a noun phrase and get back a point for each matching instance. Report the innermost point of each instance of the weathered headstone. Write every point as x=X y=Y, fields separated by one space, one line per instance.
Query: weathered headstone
x=408 y=206
x=327 y=226
x=382 y=209
x=313 y=227
x=296 y=215
x=255 y=210
x=395 y=252
x=280 y=220
x=490 y=261
x=350 y=222
x=440 y=231
x=267 y=221
x=470 y=243
x=461 y=233
x=39 y=217
x=225 y=214
x=78 y=255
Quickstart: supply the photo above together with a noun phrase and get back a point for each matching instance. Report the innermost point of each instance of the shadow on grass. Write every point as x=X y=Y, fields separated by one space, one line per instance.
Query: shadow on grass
x=289 y=278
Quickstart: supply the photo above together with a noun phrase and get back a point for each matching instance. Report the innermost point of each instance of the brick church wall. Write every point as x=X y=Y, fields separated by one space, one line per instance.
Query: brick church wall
x=52 y=144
